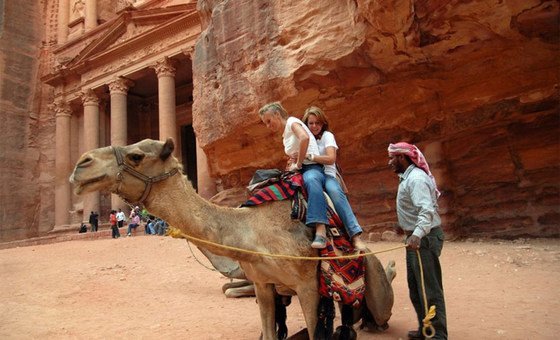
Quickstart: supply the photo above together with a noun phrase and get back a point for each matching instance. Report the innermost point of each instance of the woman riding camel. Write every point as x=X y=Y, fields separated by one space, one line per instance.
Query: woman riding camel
x=299 y=142
x=318 y=124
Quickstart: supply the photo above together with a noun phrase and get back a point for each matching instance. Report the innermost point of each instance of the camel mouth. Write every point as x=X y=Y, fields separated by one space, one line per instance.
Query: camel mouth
x=82 y=185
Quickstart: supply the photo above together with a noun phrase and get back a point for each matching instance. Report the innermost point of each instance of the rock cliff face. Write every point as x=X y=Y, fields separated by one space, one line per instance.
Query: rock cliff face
x=26 y=153
x=474 y=84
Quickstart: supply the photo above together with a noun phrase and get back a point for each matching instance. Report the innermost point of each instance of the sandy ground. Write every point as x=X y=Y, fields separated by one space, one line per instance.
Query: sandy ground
x=148 y=287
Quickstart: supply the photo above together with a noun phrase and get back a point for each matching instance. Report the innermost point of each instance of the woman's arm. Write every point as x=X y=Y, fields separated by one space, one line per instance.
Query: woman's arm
x=303 y=137
x=327 y=159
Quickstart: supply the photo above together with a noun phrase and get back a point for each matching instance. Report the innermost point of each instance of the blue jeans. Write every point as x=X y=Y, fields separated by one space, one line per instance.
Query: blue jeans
x=342 y=206
x=314 y=181
x=131 y=226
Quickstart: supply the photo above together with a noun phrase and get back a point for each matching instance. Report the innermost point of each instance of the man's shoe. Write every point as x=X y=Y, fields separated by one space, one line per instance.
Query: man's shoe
x=415 y=335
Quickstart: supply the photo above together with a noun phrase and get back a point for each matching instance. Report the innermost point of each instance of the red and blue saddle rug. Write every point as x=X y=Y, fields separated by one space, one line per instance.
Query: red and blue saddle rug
x=343 y=279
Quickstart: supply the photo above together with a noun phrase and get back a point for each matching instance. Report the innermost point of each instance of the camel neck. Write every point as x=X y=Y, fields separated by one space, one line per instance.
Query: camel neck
x=176 y=201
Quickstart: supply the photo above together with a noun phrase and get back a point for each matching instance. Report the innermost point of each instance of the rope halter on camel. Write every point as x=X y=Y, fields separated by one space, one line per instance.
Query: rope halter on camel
x=148 y=181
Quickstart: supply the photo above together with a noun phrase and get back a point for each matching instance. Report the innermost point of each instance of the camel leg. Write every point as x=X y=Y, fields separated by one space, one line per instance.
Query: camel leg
x=242 y=291
x=265 y=299
x=235 y=284
x=309 y=301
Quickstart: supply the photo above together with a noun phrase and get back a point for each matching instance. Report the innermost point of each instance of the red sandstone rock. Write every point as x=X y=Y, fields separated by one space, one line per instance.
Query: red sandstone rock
x=475 y=86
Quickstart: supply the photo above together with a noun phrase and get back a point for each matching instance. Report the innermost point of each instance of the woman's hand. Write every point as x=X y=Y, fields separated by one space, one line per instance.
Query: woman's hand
x=294 y=167
x=293 y=158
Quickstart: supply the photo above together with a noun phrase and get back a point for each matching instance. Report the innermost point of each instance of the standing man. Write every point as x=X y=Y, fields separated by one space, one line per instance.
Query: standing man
x=121 y=217
x=418 y=217
x=94 y=221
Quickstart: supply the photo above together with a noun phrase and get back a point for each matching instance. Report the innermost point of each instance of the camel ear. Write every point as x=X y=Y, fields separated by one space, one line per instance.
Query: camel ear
x=167 y=149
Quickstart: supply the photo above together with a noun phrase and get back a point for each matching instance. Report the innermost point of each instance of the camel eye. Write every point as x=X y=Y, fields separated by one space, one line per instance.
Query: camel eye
x=136 y=158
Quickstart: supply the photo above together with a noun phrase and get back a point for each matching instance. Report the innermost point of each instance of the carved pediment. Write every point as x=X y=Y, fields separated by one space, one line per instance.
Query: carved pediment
x=129 y=25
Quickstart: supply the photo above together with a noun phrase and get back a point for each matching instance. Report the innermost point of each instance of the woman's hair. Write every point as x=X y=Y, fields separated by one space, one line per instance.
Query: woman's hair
x=274 y=107
x=321 y=116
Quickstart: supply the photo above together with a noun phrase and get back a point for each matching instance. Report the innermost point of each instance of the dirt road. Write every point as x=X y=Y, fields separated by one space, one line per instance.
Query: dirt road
x=152 y=287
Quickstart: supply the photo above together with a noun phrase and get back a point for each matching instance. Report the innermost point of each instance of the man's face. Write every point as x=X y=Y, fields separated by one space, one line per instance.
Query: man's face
x=396 y=162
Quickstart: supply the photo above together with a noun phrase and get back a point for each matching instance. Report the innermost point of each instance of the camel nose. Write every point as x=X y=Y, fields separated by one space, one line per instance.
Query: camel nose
x=84 y=162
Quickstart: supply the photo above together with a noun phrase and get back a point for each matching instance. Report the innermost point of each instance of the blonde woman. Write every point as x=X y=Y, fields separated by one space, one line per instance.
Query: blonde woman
x=298 y=142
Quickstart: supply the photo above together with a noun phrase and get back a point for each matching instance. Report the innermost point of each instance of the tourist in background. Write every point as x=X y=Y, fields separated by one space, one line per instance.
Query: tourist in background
x=149 y=228
x=121 y=217
x=419 y=219
x=94 y=221
x=134 y=223
x=160 y=226
x=114 y=225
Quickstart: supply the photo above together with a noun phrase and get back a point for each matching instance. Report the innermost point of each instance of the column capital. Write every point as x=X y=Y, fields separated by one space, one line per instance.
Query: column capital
x=120 y=85
x=188 y=51
x=89 y=98
x=61 y=108
x=165 y=68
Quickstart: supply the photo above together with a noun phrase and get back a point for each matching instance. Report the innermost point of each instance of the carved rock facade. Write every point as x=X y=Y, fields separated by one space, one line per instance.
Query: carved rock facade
x=474 y=84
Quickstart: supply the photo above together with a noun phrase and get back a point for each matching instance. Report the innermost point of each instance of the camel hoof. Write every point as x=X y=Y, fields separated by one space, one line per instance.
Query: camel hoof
x=236 y=284
x=240 y=292
x=301 y=335
x=372 y=327
x=345 y=333
x=391 y=271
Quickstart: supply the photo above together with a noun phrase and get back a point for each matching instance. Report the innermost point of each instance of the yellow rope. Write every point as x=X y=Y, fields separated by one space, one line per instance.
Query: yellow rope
x=431 y=313
x=177 y=233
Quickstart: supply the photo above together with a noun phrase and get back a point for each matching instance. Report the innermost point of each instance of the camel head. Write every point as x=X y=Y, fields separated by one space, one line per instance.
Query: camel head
x=127 y=171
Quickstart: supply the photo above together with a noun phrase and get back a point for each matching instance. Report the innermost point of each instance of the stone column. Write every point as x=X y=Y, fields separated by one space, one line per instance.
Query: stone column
x=91 y=141
x=91 y=15
x=118 y=90
x=166 y=96
x=62 y=190
x=63 y=17
x=206 y=185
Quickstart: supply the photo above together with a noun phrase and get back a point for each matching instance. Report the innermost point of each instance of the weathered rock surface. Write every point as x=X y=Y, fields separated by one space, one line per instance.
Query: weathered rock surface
x=26 y=149
x=474 y=84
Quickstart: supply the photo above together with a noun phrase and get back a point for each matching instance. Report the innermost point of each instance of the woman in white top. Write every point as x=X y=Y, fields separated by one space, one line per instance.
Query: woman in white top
x=298 y=142
x=318 y=124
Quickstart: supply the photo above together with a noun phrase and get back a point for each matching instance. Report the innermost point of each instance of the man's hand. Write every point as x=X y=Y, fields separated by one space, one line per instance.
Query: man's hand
x=413 y=242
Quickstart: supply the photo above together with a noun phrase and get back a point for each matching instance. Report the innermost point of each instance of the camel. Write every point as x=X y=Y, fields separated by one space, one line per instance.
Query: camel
x=230 y=269
x=147 y=173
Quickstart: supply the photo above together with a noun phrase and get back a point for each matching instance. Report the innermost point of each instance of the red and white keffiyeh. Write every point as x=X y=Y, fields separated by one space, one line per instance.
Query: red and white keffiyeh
x=415 y=155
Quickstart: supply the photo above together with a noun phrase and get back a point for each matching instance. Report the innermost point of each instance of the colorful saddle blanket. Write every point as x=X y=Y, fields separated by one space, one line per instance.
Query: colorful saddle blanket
x=282 y=188
x=343 y=279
